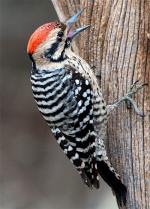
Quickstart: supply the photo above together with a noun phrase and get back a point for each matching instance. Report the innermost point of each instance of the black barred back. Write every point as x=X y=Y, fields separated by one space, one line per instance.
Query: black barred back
x=64 y=97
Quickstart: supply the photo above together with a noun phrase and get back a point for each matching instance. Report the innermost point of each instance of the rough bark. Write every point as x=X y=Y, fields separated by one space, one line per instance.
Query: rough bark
x=117 y=46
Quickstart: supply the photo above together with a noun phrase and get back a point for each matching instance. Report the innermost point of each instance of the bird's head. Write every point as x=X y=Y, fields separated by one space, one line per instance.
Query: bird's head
x=50 y=41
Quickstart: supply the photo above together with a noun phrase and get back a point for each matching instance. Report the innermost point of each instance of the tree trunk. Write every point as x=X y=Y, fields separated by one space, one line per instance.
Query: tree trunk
x=117 y=46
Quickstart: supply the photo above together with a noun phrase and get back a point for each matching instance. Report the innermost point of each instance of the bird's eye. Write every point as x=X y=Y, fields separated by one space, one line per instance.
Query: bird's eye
x=60 y=33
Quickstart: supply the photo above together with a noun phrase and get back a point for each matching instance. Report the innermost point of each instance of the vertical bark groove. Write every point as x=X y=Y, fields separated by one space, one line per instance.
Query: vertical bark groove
x=117 y=46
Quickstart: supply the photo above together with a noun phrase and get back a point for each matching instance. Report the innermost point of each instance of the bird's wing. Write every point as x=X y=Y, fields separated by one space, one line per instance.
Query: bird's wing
x=76 y=136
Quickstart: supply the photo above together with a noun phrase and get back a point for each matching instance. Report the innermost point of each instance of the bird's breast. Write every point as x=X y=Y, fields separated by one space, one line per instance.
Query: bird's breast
x=50 y=90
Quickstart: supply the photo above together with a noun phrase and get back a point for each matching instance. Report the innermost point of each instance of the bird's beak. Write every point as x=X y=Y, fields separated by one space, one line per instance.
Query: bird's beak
x=71 y=21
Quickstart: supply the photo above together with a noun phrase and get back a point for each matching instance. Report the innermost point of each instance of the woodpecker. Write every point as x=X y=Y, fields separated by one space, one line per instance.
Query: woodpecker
x=68 y=96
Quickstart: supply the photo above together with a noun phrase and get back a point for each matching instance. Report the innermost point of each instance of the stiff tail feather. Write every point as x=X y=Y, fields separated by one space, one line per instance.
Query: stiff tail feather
x=119 y=189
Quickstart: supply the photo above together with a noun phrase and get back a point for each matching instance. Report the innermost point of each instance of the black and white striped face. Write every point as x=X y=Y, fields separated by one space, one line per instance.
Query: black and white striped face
x=52 y=49
x=49 y=43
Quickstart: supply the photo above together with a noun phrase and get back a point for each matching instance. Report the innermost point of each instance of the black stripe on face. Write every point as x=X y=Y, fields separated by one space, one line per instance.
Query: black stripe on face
x=54 y=47
x=51 y=51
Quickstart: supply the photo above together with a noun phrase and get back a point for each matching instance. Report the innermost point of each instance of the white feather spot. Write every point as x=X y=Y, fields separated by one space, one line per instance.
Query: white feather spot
x=84 y=108
x=99 y=152
x=86 y=82
x=95 y=166
x=60 y=139
x=81 y=111
x=79 y=149
x=86 y=119
x=80 y=103
x=77 y=81
x=83 y=165
x=75 y=157
x=79 y=88
x=81 y=124
x=87 y=102
x=88 y=91
x=70 y=148
x=84 y=94
x=72 y=144
x=91 y=121
x=76 y=91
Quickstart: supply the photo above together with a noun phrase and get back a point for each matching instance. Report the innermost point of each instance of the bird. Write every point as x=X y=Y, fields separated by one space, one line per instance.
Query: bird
x=71 y=102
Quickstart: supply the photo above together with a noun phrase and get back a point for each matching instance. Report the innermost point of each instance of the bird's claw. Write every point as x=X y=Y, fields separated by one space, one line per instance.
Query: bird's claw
x=129 y=101
x=135 y=87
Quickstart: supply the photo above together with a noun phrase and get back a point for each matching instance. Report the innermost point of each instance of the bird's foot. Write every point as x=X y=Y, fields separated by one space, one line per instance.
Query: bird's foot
x=128 y=99
x=136 y=86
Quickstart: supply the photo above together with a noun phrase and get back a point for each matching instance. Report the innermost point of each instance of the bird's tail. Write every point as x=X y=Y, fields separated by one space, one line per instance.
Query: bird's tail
x=113 y=180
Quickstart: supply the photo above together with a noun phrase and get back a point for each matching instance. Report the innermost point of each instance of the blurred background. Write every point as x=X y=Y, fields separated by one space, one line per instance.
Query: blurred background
x=34 y=173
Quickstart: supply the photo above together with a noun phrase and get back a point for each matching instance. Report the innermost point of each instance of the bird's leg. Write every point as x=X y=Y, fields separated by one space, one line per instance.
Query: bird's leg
x=128 y=99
